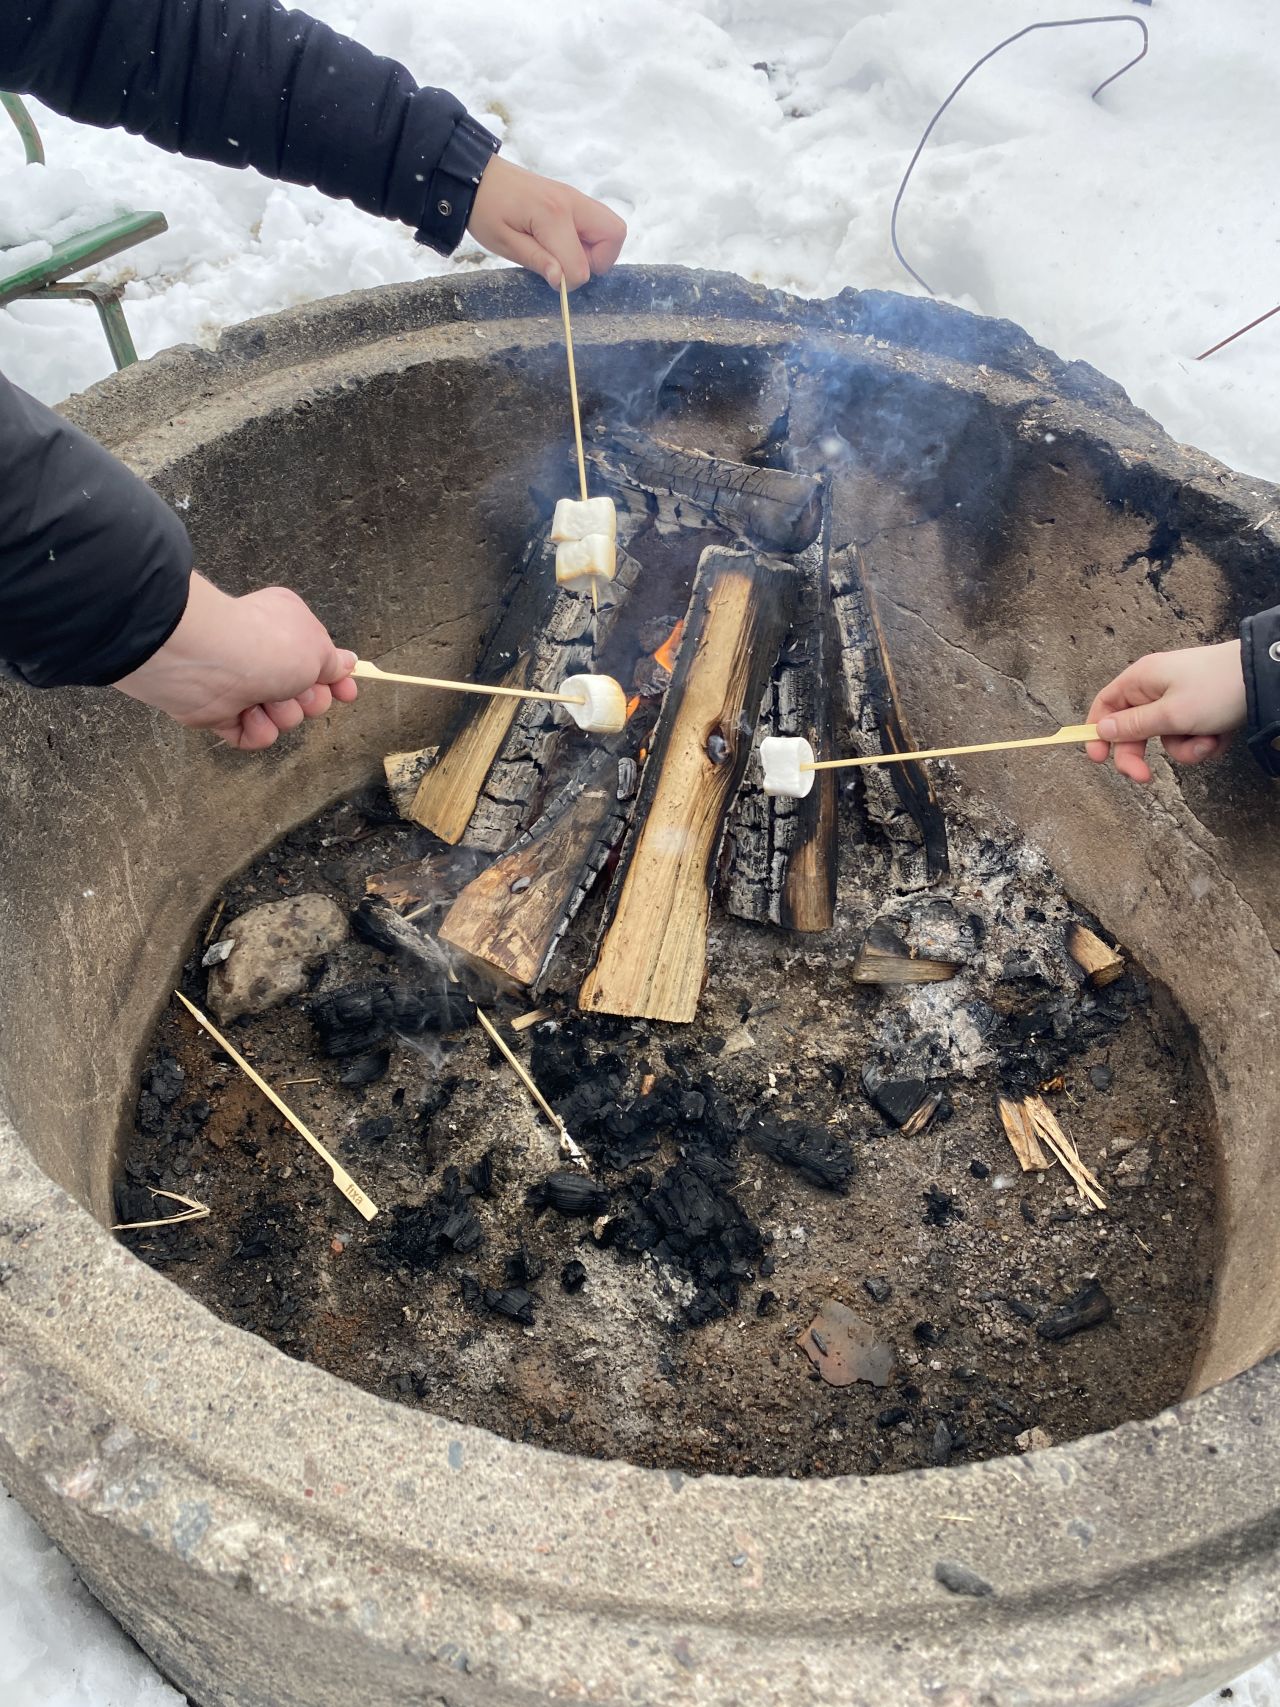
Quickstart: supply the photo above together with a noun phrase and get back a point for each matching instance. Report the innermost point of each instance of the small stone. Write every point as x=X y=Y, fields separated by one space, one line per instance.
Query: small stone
x=1086 y=1309
x=941 y=1446
x=1132 y=1173
x=1101 y=1078
x=844 y=1349
x=959 y=1579
x=276 y=946
x=1033 y=1440
x=878 y=1289
x=893 y=1416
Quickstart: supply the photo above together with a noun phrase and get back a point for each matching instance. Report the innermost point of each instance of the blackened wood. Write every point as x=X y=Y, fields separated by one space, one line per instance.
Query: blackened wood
x=653 y=947
x=781 y=854
x=876 y=720
x=885 y=958
x=512 y=916
x=771 y=507
x=522 y=778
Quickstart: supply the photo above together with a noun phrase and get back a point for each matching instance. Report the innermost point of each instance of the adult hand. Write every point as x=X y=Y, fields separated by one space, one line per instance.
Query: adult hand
x=1192 y=699
x=544 y=225
x=246 y=668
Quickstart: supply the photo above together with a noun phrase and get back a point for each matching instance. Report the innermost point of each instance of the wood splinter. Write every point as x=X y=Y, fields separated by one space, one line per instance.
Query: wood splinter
x=568 y=1147
x=1101 y=964
x=341 y=1178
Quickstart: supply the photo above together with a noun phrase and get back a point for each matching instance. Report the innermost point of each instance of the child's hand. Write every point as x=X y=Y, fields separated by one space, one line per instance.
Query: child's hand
x=544 y=225
x=245 y=668
x=1193 y=699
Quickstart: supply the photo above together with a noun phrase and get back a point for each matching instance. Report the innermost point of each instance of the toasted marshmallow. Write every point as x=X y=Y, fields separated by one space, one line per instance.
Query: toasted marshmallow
x=783 y=757
x=579 y=562
x=604 y=705
x=577 y=518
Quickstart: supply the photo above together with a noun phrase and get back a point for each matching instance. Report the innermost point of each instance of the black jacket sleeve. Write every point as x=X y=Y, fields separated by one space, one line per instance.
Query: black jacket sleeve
x=94 y=567
x=247 y=83
x=1260 y=655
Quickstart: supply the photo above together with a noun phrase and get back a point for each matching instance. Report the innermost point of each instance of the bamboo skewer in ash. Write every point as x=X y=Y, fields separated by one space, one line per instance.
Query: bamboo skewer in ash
x=790 y=764
x=341 y=1178
x=596 y=703
x=584 y=530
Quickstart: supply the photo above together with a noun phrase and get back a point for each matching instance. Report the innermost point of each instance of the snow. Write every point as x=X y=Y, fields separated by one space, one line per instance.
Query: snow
x=40 y=206
x=767 y=137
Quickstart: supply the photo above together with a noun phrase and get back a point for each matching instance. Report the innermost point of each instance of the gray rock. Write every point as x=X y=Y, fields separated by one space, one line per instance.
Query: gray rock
x=961 y=1580
x=276 y=945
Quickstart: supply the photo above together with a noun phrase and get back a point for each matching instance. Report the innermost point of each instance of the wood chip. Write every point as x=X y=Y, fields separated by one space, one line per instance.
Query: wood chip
x=1046 y=1125
x=1020 y=1130
x=534 y=1018
x=1100 y=963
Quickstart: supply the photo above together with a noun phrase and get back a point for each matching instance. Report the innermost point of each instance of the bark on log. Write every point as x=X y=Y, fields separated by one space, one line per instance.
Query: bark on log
x=510 y=918
x=653 y=945
x=876 y=720
x=781 y=854
x=774 y=509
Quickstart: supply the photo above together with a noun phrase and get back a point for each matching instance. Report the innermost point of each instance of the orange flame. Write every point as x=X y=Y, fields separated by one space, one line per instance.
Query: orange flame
x=666 y=653
x=632 y=703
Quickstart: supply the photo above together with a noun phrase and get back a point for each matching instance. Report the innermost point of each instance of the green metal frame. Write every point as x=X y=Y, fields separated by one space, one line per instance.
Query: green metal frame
x=43 y=280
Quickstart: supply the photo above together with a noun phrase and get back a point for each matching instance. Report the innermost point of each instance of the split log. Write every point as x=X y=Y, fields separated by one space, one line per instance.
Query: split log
x=886 y=958
x=1100 y=964
x=653 y=945
x=782 y=853
x=447 y=795
x=404 y=773
x=876 y=720
x=510 y=919
x=771 y=507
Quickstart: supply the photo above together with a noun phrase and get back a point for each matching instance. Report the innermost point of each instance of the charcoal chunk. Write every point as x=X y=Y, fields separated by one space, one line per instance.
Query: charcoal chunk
x=365 y=1069
x=896 y=1099
x=1084 y=1309
x=573 y=1276
x=480 y=1175
x=513 y=1302
x=878 y=1289
x=691 y=1222
x=572 y=1194
x=360 y=1017
x=940 y=1207
x=166 y=1080
x=421 y=1236
x=818 y=1155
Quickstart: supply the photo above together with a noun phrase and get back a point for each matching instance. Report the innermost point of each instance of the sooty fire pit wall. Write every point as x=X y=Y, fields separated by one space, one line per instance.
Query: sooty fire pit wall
x=275 y=1538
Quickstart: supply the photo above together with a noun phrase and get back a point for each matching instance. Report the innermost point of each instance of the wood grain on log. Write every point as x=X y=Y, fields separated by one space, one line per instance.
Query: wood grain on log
x=511 y=917
x=876 y=720
x=653 y=946
x=781 y=853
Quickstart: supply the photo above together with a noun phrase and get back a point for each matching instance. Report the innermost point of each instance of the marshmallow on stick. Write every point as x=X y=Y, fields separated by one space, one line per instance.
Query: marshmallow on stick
x=579 y=518
x=579 y=562
x=788 y=765
x=601 y=707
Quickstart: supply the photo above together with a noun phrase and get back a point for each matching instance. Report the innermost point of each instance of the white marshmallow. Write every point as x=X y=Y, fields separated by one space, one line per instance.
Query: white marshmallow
x=576 y=518
x=604 y=705
x=579 y=562
x=782 y=757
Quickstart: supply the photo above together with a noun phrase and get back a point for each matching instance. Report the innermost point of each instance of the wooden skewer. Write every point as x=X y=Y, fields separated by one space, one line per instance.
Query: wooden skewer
x=341 y=1178
x=566 y=1143
x=371 y=673
x=577 y=419
x=1068 y=736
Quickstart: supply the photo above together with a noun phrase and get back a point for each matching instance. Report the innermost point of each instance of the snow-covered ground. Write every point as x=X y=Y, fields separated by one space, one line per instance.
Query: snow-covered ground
x=767 y=137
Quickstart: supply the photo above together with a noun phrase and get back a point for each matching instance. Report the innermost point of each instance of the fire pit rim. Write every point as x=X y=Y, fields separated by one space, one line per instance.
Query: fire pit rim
x=52 y=1254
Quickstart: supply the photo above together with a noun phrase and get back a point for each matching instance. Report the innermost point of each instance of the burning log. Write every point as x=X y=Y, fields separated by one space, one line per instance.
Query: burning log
x=886 y=958
x=653 y=946
x=1100 y=964
x=512 y=916
x=876 y=721
x=782 y=852
x=772 y=508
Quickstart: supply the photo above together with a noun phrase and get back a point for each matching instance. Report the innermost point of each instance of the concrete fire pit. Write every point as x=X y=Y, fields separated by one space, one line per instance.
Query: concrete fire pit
x=275 y=1538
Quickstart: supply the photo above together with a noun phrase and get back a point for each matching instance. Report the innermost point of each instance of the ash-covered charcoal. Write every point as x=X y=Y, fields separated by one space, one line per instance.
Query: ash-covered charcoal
x=471 y=1289
x=816 y=1153
x=1087 y=1308
x=480 y=1174
x=690 y=1222
x=513 y=1302
x=360 y=1017
x=573 y=1276
x=903 y=1101
x=421 y=1236
x=520 y=1268
x=940 y=1207
x=571 y=1194
x=365 y=1069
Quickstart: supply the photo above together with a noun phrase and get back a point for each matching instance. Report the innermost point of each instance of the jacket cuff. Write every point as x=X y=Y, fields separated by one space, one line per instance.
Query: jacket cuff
x=1260 y=656
x=451 y=189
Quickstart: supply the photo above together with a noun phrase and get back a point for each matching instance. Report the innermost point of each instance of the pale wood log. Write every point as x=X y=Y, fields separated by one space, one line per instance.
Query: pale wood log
x=1100 y=963
x=885 y=958
x=653 y=947
x=447 y=795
